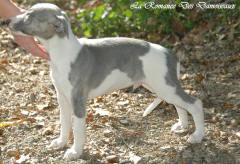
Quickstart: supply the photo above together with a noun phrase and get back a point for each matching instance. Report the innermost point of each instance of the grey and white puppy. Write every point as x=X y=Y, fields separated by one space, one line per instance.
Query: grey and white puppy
x=87 y=68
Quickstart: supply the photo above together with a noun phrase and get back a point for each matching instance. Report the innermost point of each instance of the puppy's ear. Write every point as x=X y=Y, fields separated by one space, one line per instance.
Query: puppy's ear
x=61 y=25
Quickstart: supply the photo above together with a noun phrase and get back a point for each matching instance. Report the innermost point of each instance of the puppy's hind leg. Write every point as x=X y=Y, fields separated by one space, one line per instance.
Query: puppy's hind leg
x=194 y=107
x=177 y=96
x=182 y=124
x=196 y=110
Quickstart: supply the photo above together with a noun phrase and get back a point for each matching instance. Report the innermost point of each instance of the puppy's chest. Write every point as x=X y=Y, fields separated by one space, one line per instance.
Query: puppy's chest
x=60 y=77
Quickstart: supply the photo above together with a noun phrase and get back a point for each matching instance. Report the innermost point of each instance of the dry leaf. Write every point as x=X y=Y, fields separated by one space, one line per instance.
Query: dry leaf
x=102 y=112
x=123 y=103
x=134 y=158
x=90 y=117
x=22 y=159
x=17 y=156
x=1 y=132
x=238 y=134
x=172 y=155
x=3 y=68
x=96 y=154
x=234 y=59
x=12 y=153
x=4 y=61
x=112 y=159
x=228 y=105
x=107 y=133
x=11 y=123
x=26 y=61
x=99 y=99
x=200 y=77
x=234 y=122
x=48 y=131
x=217 y=132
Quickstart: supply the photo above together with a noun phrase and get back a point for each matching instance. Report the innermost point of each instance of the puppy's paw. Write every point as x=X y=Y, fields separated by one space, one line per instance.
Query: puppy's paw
x=195 y=138
x=179 y=127
x=72 y=154
x=57 y=143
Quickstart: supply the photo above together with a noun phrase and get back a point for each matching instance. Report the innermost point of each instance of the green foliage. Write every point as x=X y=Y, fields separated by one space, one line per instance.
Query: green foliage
x=117 y=18
x=130 y=18
x=113 y=18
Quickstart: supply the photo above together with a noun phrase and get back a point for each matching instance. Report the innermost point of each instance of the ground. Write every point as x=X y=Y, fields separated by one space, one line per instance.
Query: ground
x=116 y=130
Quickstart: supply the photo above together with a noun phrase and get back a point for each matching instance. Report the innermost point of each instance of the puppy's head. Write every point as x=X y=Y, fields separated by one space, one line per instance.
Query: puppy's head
x=42 y=20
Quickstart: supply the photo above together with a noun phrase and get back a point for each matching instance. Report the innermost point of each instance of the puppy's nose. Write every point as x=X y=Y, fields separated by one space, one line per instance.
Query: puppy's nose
x=6 y=23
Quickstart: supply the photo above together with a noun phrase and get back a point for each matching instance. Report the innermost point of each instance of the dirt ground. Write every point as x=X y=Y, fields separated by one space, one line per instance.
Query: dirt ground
x=116 y=130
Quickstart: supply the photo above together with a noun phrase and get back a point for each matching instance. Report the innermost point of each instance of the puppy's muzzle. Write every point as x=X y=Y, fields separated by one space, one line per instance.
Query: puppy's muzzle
x=6 y=23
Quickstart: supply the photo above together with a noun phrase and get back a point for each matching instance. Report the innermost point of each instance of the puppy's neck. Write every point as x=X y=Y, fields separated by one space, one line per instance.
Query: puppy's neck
x=61 y=47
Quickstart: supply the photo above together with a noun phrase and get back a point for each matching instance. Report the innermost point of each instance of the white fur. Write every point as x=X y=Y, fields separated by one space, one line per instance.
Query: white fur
x=79 y=138
x=113 y=81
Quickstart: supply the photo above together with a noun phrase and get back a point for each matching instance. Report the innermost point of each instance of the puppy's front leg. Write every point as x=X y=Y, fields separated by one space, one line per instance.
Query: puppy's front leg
x=79 y=107
x=79 y=138
x=65 y=120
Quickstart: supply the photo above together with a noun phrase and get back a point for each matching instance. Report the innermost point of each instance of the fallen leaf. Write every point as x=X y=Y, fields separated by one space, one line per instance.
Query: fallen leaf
x=23 y=158
x=107 y=133
x=200 y=77
x=112 y=159
x=1 y=132
x=26 y=61
x=17 y=156
x=172 y=155
x=123 y=103
x=102 y=112
x=90 y=117
x=4 y=61
x=234 y=122
x=48 y=131
x=24 y=112
x=96 y=154
x=12 y=153
x=234 y=58
x=238 y=134
x=11 y=123
x=99 y=99
x=228 y=105
x=124 y=122
x=217 y=132
x=134 y=158
x=3 y=68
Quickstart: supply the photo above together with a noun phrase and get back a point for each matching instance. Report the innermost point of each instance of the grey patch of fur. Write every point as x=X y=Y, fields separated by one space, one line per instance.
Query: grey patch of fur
x=96 y=61
x=172 y=80
x=43 y=20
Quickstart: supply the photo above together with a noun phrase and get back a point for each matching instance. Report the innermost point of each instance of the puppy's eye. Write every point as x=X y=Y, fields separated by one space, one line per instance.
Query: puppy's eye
x=27 y=20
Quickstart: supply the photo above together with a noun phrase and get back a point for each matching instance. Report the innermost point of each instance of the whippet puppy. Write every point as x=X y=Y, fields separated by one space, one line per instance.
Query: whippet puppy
x=87 y=68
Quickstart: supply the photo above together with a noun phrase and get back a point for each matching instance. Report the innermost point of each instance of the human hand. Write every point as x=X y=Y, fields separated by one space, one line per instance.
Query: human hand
x=7 y=10
x=29 y=44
